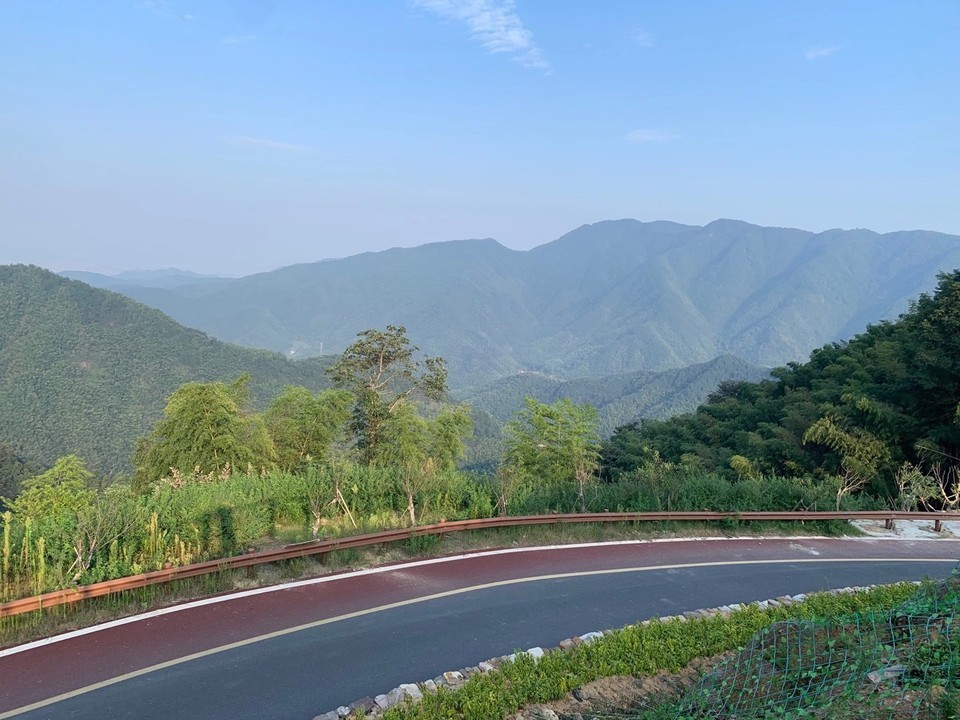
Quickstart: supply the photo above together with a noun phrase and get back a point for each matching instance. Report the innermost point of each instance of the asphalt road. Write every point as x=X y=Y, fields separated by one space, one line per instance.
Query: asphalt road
x=332 y=660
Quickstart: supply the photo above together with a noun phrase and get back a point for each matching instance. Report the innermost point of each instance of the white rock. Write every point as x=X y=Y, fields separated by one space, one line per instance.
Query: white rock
x=429 y=686
x=544 y=714
x=888 y=673
x=453 y=677
x=412 y=691
x=590 y=637
x=382 y=702
x=536 y=652
x=485 y=667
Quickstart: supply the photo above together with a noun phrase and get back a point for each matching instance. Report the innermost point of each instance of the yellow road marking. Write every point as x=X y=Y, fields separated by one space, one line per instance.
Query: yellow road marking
x=426 y=598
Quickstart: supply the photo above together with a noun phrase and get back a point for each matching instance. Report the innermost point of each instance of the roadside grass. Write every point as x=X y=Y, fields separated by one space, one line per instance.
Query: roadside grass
x=635 y=650
x=19 y=629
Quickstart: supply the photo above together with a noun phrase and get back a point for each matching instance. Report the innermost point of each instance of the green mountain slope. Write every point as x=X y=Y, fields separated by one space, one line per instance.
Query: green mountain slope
x=610 y=298
x=87 y=371
x=889 y=395
x=620 y=399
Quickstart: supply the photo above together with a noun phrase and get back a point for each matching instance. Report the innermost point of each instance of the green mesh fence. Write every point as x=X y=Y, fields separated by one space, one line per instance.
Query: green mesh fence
x=899 y=664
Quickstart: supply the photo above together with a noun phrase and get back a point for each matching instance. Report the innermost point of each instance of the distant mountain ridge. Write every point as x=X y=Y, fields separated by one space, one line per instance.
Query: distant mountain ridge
x=605 y=299
x=162 y=278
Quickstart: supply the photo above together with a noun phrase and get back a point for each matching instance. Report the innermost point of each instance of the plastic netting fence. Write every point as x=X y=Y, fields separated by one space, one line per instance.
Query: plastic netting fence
x=900 y=664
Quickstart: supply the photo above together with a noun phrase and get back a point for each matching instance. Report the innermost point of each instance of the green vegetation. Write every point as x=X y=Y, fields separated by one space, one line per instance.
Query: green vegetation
x=206 y=428
x=862 y=424
x=552 y=446
x=304 y=426
x=207 y=483
x=382 y=372
x=902 y=663
x=619 y=399
x=862 y=414
x=14 y=469
x=87 y=371
x=634 y=650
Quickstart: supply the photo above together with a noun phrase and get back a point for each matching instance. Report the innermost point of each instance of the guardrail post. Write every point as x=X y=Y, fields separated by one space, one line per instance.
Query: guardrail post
x=938 y=525
x=888 y=523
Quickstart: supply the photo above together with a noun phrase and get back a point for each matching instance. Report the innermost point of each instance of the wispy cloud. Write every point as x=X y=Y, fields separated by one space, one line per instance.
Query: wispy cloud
x=162 y=9
x=819 y=52
x=648 y=136
x=641 y=37
x=237 y=39
x=267 y=143
x=494 y=24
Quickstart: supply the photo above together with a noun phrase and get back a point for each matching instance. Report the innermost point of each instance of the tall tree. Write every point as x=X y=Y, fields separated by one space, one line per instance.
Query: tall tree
x=206 y=427
x=556 y=443
x=382 y=370
x=422 y=451
x=304 y=426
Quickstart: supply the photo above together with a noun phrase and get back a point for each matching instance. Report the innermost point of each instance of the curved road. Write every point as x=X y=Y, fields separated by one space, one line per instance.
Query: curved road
x=310 y=646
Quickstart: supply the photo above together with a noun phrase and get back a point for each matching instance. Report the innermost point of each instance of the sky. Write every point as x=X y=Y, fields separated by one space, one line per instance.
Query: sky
x=237 y=136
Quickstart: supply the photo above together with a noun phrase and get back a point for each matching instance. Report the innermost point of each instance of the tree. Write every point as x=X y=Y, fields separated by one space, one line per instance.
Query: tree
x=109 y=517
x=57 y=494
x=382 y=371
x=304 y=426
x=54 y=504
x=421 y=451
x=555 y=444
x=862 y=456
x=206 y=428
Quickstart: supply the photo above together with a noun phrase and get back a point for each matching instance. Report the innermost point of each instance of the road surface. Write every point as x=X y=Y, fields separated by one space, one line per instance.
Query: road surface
x=299 y=651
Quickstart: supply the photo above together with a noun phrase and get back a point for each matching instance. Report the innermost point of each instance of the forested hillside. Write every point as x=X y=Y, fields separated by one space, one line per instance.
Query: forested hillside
x=856 y=411
x=87 y=371
x=619 y=399
x=610 y=298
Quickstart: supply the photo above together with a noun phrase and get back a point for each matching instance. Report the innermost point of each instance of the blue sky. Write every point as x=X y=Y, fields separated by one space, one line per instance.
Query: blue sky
x=236 y=136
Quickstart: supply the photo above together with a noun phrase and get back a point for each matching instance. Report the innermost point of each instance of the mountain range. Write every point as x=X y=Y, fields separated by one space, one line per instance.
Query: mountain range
x=87 y=371
x=606 y=299
x=639 y=319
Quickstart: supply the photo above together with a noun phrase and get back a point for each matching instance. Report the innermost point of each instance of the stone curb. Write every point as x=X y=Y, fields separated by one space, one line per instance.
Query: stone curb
x=452 y=680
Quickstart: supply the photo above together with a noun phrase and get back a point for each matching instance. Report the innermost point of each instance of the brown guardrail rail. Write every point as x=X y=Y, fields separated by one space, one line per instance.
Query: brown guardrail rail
x=321 y=547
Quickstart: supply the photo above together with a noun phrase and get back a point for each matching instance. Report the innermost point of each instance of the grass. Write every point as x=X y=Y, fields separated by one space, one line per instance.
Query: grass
x=31 y=626
x=635 y=650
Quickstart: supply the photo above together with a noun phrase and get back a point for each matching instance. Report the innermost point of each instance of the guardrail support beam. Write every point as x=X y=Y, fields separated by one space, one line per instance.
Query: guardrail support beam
x=321 y=548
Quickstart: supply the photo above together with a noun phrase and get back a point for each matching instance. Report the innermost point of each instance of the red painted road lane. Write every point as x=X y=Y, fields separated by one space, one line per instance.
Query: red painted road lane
x=60 y=667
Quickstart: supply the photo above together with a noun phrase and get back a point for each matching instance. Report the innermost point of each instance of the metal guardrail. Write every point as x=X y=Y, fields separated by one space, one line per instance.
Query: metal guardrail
x=322 y=547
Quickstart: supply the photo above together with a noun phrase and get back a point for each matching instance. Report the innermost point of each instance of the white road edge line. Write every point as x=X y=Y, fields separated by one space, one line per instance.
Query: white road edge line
x=403 y=566
x=435 y=596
